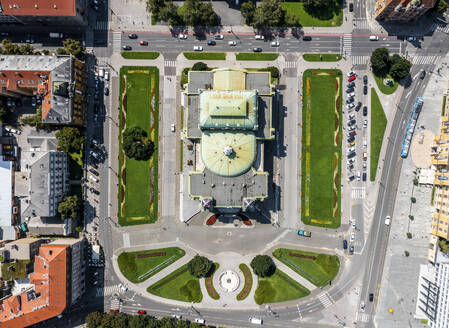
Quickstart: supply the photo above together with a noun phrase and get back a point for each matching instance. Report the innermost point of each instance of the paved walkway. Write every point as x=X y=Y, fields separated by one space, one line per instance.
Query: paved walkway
x=303 y=281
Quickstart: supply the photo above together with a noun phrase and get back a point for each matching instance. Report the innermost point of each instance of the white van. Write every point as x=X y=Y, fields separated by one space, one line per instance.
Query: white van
x=256 y=321
x=101 y=72
x=56 y=35
x=373 y=38
x=200 y=320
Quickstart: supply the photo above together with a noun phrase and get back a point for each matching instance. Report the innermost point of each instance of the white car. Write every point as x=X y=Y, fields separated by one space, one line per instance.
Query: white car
x=275 y=44
x=182 y=36
x=365 y=123
x=350 y=161
x=364 y=166
x=351 y=128
x=92 y=178
x=123 y=287
x=352 y=237
x=219 y=37
x=176 y=316
x=358 y=175
x=365 y=144
x=200 y=320
x=197 y=48
x=173 y=127
x=388 y=220
x=350 y=106
x=351 y=74
x=373 y=38
x=259 y=37
x=350 y=95
x=106 y=75
x=351 y=149
x=232 y=43
x=352 y=116
x=411 y=38
x=353 y=224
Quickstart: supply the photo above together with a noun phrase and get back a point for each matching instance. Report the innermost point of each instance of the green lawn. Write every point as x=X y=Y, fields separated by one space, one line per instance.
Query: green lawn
x=138 y=192
x=330 y=16
x=443 y=107
x=385 y=89
x=321 y=148
x=322 y=57
x=140 y=54
x=14 y=270
x=179 y=285
x=278 y=288
x=318 y=271
x=133 y=267
x=378 y=125
x=256 y=56
x=205 y=55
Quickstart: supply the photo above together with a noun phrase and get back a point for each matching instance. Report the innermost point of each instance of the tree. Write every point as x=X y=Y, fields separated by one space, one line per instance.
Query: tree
x=138 y=321
x=441 y=6
x=114 y=320
x=94 y=319
x=413 y=200
x=247 y=10
x=407 y=253
x=263 y=265
x=199 y=266
x=274 y=71
x=269 y=13
x=400 y=69
x=61 y=52
x=200 y=66
x=33 y=120
x=26 y=49
x=291 y=19
x=4 y=113
x=136 y=144
x=198 y=13
x=74 y=47
x=8 y=48
x=380 y=61
x=409 y=235
x=46 y=52
x=69 y=207
x=70 y=140
x=169 y=12
x=316 y=3
x=154 y=6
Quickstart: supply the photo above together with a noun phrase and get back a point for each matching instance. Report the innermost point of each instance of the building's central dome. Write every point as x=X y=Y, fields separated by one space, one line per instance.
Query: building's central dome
x=228 y=151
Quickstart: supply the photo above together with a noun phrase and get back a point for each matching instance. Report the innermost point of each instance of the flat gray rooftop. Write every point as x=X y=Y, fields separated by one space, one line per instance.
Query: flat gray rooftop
x=258 y=81
x=200 y=80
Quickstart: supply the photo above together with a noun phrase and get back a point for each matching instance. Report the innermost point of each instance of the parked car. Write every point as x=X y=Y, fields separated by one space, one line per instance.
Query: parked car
x=351 y=250
x=94 y=191
x=173 y=127
x=303 y=233
x=349 y=90
x=364 y=166
x=257 y=49
x=351 y=73
x=351 y=239
x=351 y=116
x=197 y=48
x=132 y=36
x=350 y=100
x=350 y=161
x=350 y=84
x=359 y=105
x=93 y=179
x=351 y=133
x=351 y=139
x=350 y=95
x=351 y=7
x=95 y=172
x=232 y=43
x=365 y=79
x=365 y=111
x=371 y=297
x=350 y=178
x=365 y=90
x=106 y=91
x=365 y=156
x=351 y=128
x=350 y=106
x=351 y=144
x=364 y=176
x=352 y=78
x=358 y=175
x=351 y=149
x=365 y=124
x=219 y=37
x=143 y=43
x=211 y=43
x=259 y=37
x=387 y=220
x=351 y=167
x=351 y=122
x=106 y=75
x=351 y=155
x=275 y=44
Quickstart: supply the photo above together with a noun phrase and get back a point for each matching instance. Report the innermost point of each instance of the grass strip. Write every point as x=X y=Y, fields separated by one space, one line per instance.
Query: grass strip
x=385 y=89
x=133 y=267
x=248 y=282
x=322 y=57
x=317 y=268
x=444 y=106
x=181 y=155
x=209 y=281
x=140 y=54
x=205 y=55
x=256 y=56
x=378 y=125
x=329 y=16
x=179 y=285
x=278 y=288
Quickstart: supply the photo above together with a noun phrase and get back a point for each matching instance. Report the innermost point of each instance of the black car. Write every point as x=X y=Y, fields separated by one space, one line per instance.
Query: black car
x=132 y=36
x=365 y=90
x=349 y=90
x=94 y=172
x=359 y=105
x=257 y=49
x=211 y=43
x=94 y=165
x=350 y=84
x=351 y=250
x=423 y=75
x=364 y=176
x=351 y=7
x=365 y=79
x=371 y=297
x=126 y=47
x=106 y=91
x=351 y=139
x=351 y=122
x=307 y=38
x=365 y=111
x=95 y=191
x=351 y=155
x=345 y=244
x=96 y=109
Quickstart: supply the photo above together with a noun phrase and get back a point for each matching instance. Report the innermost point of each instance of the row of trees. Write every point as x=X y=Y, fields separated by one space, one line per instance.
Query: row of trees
x=382 y=64
x=71 y=46
x=193 y=13
x=123 y=320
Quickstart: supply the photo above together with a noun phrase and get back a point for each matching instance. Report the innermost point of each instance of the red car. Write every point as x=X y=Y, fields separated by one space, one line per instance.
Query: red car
x=352 y=78
x=113 y=310
x=143 y=312
x=143 y=43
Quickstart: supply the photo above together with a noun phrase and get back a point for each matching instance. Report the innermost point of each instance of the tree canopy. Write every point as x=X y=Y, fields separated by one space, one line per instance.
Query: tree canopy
x=136 y=144
x=70 y=140
x=263 y=265
x=69 y=207
x=4 y=113
x=380 y=61
x=199 y=266
x=74 y=47
x=9 y=48
x=400 y=69
x=382 y=64
x=200 y=66
x=441 y=6
x=268 y=14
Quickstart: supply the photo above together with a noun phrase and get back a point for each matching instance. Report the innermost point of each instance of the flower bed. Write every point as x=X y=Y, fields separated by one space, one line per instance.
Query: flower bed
x=303 y=256
x=210 y=285
x=211 y=220
x=248 y=282
x=151 y=254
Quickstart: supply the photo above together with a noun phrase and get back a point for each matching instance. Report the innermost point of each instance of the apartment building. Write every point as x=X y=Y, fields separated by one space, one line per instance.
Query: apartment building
x=44 y=12
x=59 y=80
x=402 y=10
x=56 y=282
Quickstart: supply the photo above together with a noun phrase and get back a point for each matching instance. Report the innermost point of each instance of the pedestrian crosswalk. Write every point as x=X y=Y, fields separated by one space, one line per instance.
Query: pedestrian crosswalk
x=107 y=290
x=170 y=63
x=424 y=60
x=101 y=25
x=290 y=64
x=442 y=27
x=358 y=193
x=360 y=60
x=326 y=300
x=117 y=41
x=362 y=317
x=347 y=44
x=103 y=61
x=115 y=304
x=361 y=24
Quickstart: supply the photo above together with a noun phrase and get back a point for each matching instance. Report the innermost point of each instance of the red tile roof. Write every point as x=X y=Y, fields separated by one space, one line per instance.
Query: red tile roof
x=50 y=291
x=39 y=7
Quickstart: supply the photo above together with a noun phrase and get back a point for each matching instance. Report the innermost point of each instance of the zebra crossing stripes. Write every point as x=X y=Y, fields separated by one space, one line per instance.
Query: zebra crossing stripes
x=103 y=61
x=358 y=193
x=441 y=27
x=362 y=317
x=101 y=25
x=424 y=60
x=115 y=304
x=361 y=24
x=347 y=44
x=107 y=290
x=117 y=41
x=326 y=300
x=170 y=63
x=360 y=60
x=291 y=64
